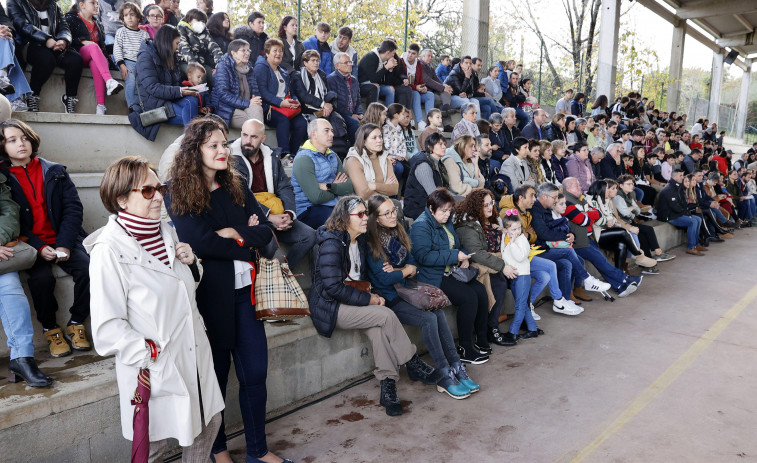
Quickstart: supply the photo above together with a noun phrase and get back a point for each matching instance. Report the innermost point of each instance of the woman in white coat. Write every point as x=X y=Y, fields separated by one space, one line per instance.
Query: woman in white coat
x=143 y=283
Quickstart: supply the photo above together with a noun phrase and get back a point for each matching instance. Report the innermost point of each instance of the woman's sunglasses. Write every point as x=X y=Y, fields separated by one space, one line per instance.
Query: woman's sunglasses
x=148 y=191
x=360 y=214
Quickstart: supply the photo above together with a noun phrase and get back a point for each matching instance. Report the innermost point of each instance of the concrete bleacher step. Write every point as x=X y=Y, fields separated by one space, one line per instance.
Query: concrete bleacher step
x=82 y=411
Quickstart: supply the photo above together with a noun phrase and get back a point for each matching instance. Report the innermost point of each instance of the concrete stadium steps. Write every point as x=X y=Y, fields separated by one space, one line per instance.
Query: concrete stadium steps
x=55 y=87
x=82 y=411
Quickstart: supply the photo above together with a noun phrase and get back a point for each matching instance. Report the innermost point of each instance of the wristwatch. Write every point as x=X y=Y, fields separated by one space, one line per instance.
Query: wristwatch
x=328 y=186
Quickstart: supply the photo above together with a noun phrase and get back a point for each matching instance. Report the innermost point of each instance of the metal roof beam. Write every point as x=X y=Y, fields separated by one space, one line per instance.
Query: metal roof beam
x=701 y=9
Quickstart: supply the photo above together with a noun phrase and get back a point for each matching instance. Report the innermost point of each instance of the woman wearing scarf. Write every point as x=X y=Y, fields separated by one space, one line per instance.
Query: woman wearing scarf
x=368 y=166
x=310 y=86
x=390 y=263
x=235 y=92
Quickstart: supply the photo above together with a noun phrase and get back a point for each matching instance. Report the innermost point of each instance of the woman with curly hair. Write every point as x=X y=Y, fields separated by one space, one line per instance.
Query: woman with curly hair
x=223 y=223
x=390 y=263
x=480 y=233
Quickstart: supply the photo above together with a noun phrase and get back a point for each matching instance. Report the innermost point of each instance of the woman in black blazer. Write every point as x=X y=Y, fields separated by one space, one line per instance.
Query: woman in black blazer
x=224 y=224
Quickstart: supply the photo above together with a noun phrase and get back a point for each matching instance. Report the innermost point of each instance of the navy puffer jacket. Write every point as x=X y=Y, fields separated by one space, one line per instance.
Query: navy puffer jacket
x=226 y=88
x=329 y=273
x=431 y=249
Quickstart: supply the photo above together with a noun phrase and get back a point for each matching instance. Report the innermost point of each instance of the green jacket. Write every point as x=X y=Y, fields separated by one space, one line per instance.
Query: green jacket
x=9 y=213
x=473 y=240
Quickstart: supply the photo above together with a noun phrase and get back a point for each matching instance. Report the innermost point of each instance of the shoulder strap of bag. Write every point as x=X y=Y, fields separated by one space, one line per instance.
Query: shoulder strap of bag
x=136 y=84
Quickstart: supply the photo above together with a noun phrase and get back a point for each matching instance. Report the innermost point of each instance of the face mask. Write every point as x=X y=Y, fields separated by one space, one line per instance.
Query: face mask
x=198 y=27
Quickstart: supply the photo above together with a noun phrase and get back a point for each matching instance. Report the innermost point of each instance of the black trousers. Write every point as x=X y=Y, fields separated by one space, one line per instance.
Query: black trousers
x=620 y=242
x=472 y=310
x=647 y=239
x=44 y=60
x=42 y=286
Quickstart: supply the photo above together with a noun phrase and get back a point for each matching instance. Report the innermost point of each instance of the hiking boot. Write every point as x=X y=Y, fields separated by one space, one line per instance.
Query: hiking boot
x=389 y=397
x=451 y=385
x=418 y=370
x=76 y=334
x=55 y=342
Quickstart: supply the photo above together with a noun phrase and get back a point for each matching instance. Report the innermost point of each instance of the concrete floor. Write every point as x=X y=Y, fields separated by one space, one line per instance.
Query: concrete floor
x=637 y=380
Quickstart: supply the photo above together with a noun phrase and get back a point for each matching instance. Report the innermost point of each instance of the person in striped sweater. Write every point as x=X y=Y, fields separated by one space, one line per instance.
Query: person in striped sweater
x=126 y=48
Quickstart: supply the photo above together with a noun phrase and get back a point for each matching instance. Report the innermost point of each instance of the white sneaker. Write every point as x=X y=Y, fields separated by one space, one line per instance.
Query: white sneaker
x=19 y=105
x=564 y=308
x=535 y=315
x=100 y=111
x=422 y=125
x=592 y=284
x=113 y=86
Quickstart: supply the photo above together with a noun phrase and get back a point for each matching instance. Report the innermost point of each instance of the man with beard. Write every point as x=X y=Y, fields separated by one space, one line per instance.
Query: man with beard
x=264 y=175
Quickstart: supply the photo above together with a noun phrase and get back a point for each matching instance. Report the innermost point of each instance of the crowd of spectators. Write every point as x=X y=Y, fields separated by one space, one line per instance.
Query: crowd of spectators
x=516 y=198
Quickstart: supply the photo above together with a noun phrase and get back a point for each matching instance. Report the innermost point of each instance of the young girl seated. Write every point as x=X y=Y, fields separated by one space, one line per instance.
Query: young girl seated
x=411 y=146
x=559 y=223
x=434 y=125
x=516 y=252
x=88 y=38
x=126 y=47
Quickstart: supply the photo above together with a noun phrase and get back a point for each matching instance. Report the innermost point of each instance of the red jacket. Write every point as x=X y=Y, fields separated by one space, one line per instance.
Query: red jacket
x=418 y=73
x=33 y=183
x=722 y=163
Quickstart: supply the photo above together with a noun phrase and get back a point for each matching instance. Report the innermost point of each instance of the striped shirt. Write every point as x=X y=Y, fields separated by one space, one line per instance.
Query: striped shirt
x=128 y=41
x=146 y=232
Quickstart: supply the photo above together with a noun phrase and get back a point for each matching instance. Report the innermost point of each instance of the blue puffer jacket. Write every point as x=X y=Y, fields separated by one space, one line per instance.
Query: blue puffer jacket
x=226 y=88
x=157 y=85
x=431 y=248
x=329 y=272
x=268 y=84
x=327 y=57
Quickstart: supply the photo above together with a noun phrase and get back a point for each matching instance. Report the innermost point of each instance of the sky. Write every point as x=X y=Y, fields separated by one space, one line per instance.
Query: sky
x=652 y=31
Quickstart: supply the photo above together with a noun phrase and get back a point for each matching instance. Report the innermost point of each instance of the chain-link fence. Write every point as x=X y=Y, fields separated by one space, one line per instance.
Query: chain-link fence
x=699 y=108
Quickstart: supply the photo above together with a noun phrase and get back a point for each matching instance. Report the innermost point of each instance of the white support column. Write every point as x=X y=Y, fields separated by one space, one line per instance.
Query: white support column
x=476 y=29
x=715 y=86
x=746 y=77
x=608 y=48
x=676 y=66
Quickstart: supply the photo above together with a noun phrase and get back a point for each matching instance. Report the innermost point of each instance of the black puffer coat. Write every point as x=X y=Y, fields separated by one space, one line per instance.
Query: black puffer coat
x=329 y=272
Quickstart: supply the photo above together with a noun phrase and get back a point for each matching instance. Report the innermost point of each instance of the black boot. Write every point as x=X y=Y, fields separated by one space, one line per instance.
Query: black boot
x=25 y=369
x=389 y=397
x=418 y=370
x=496 y=337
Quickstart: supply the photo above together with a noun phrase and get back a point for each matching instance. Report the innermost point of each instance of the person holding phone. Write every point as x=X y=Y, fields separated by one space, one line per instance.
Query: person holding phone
x=437 y=252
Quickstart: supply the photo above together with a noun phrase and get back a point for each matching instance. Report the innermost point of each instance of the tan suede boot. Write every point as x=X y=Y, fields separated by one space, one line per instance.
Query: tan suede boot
x=77 y=336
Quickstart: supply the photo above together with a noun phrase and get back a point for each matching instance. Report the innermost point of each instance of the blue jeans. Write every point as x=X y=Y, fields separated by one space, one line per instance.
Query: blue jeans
x=719 y=215
x=520 y=287
x=300 y=236
x=9 y=62
x=185 y=109
x=16 y=316
x=747 y=209
x=561 y=257
x=692 y=224
x=612 y=274
x=639 y=194
x=488 y=106
x=544 y=271
x=427 y=99
x=251 y=364
x=435 y=331
x=315 y=215
x=457 y=102
x=290 y=133
x=388 y=93
x=352 y=126
x=130 y=83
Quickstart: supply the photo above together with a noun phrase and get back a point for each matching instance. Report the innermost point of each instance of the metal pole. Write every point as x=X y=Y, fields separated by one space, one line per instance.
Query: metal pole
x=407 y=14
x=541 y=54
x=299 y=17
x=641 y=90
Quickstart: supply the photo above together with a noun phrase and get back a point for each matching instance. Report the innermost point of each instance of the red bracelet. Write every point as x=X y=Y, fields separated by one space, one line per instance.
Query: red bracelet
x=153 y=349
